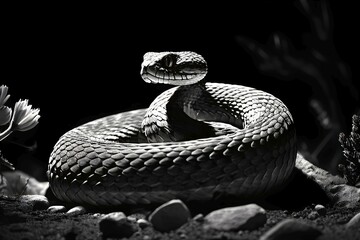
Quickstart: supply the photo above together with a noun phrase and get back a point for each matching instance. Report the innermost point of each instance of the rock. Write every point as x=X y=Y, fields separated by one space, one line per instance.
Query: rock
x=291 y=229
x=247 y=217
x=333 y=186
x=313 y=215
x=320 y=209
x=57 y=209
x=131 y=219
x=323 y=178
x=33 y=202
x=345 y=195
x=354 y=221
x=183 y=236
x=147 y=237
x=199 y=217
x=21 y=183
x=116 y=225
x=170 y=216
x=76 y=211
x=143 y=223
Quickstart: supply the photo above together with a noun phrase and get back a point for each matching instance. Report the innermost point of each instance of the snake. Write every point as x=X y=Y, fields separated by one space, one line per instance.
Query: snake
x=197 y=140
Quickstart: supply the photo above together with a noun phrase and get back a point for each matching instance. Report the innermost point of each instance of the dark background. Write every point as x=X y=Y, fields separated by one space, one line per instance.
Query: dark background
x=78 y=63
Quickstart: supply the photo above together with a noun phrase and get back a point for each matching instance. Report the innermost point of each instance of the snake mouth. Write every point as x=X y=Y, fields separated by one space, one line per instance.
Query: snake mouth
x=175 y=68
x=150 y=75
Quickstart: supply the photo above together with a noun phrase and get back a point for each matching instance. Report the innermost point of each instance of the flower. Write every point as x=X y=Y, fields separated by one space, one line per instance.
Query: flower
x=5 y=115
x=5 y=112
x=24 y=117
x=3 y=95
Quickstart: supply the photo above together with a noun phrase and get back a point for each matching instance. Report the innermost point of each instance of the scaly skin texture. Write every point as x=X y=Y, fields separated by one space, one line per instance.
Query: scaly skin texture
x=167 y=151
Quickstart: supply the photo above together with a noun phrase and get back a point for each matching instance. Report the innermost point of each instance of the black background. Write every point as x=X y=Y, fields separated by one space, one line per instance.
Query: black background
x=77 y=63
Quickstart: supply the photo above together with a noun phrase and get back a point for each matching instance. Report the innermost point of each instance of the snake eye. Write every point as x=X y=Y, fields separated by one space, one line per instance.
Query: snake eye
x=169 y=60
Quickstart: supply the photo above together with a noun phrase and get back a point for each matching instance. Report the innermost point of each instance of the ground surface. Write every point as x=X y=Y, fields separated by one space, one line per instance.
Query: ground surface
x=19 y=223
x=295 y=201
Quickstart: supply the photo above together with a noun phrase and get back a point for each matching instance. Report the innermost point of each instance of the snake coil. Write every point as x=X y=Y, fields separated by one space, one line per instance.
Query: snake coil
x=193 y=142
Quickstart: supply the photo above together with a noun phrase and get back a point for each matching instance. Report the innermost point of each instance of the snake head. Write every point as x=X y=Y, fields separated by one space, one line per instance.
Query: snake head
x=175 y=68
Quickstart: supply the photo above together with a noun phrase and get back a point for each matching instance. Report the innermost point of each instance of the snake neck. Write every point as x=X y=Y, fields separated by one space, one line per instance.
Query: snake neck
x=172 y=116
x=175 y=114
x=187 y=96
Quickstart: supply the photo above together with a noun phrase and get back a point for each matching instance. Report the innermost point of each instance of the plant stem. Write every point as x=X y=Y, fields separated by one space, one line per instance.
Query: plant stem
x=6 y=133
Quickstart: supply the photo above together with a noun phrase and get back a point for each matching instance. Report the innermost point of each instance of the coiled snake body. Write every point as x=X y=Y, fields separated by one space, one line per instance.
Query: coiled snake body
x=193 y=142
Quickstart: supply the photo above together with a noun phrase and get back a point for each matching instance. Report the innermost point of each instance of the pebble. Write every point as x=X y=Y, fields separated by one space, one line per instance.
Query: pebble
x=320 y=209
x=183 y=236
x=143 y=223
x=57 y=209
x=33 y=202
x=291 y=229
x=170 y=216
x=131 y=219
x=246 y=217
x=116 y=225
x=199 y=217
x=76 y=211
x=313 y=215
x=147 y=237
x=354 y=221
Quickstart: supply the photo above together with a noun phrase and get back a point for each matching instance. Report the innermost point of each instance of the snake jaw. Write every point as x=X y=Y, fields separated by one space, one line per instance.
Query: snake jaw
x=175 y=68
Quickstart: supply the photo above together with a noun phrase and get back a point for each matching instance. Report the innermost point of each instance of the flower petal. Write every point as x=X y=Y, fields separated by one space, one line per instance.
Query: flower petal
x=24 y=117
x=5 y=115
x=3 y=95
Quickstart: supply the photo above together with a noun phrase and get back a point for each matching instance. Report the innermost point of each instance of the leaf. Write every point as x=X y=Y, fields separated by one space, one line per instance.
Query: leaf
x=5 y=162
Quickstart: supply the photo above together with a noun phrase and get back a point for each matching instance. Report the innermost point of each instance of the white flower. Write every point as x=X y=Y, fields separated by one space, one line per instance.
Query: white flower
x=5 y=115
x=3 y=95
x=24 y=117
x=5 y=112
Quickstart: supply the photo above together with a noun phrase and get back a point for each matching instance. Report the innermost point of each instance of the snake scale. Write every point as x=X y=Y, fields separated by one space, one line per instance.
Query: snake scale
x=194 y=141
